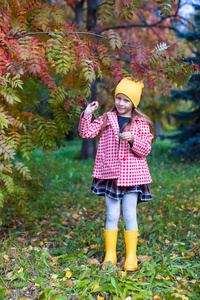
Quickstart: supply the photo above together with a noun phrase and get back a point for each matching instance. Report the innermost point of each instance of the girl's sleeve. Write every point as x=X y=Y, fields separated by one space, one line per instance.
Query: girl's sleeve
x=87 y=129
x=142 y=141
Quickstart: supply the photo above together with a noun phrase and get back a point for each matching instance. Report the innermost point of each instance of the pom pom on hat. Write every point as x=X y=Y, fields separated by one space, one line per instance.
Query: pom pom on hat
x=131 y=89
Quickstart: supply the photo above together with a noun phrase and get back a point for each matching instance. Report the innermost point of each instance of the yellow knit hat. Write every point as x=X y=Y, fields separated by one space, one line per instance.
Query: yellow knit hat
x=131 y=89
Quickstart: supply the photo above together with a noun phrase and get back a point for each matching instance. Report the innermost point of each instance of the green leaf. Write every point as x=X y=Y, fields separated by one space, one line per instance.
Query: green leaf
x=2 y=293
x=39 y=280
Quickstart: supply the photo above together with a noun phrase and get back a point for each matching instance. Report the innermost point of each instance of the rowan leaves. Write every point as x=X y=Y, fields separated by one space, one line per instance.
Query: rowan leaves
x=140 y=55
x=165 y=7
x=161 y=47
x=115 y=40
x=87 y=70
x=8 y=88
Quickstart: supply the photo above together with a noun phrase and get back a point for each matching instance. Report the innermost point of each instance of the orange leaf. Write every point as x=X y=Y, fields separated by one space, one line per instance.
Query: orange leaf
x=95 y=287
x=69 y=283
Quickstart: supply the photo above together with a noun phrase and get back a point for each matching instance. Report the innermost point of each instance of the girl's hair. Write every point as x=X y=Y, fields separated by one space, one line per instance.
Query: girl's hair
x=135 y=112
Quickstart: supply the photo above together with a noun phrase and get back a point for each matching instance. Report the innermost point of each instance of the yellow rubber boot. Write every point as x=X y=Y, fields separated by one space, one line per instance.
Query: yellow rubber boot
x=110 y=245
x=131 y=248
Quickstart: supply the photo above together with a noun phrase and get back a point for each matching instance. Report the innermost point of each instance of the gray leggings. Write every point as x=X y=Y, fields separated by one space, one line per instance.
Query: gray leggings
x=129 y=208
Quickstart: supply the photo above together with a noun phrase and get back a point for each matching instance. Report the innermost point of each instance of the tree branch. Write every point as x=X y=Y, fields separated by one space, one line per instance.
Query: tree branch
x=150 y=25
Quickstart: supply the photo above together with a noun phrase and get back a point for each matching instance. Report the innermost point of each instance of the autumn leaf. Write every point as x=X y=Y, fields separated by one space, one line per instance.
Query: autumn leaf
x=69 y=283
x=157 y=297
x=159 y=277
x=54 y=276
x=177 y=295
x=85 y=250
x=145 y=258
x=93 y=261
x=123 y=273
x=68 y=274
x=75 y=216
x=54 y=259
x=95 y=287
x=9 y=274
x=167 y=278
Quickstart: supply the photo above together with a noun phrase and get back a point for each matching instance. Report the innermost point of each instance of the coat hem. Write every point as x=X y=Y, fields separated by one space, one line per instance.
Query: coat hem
x=131 y=184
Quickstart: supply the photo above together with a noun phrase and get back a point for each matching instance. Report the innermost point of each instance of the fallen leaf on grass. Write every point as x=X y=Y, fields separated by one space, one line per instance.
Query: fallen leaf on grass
x=68 y=236
x=93 y=261
x=75 y=216
x=121 y=263
x=159 y=277
x=24 y=299
x=94 y=246
x=157 y=297
x=141 y=241
x=123 y=273
x=145 y=258
x=95 y=287
x=54 y=276
x=177 y=295
x=55 y=284
x=100 y=298
x=106 y=265
x=5 y=257
x=68 y=274
x=167 y=242
x=9 y=274
x=69 y=283
x=54 y=259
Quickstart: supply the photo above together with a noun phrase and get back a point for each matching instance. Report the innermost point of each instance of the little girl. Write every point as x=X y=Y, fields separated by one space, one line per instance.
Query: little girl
x=121 y=172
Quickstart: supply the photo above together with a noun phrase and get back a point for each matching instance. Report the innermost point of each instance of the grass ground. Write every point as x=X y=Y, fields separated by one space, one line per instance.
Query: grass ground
x=59 y=254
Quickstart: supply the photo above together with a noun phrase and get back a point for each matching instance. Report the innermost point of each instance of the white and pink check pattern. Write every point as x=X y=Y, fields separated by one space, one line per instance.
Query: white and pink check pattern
x=115 y=158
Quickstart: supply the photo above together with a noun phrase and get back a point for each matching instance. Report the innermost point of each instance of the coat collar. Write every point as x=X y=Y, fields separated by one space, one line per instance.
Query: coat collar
x=112 y=116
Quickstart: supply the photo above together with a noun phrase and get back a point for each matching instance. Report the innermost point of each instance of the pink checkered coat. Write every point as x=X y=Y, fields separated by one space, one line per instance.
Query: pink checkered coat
x=115 y=158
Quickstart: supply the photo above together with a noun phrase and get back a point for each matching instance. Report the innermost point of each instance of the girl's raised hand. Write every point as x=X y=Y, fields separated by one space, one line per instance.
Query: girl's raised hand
x=91 y=108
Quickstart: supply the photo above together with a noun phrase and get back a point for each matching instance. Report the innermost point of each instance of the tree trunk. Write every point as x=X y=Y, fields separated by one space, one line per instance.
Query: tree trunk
x=158 y=127
x=91 y=14
x=89 y=145
x=79 y=12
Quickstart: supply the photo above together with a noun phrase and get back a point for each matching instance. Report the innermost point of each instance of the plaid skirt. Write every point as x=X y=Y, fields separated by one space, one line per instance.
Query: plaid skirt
x=109 y=187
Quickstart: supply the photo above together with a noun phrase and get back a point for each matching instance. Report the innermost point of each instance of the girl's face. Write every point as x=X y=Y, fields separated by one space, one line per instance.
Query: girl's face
x=123 y=105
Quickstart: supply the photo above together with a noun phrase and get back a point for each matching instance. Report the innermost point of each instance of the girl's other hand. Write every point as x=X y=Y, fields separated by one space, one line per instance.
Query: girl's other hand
x=90 y=108
x=127 y=136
